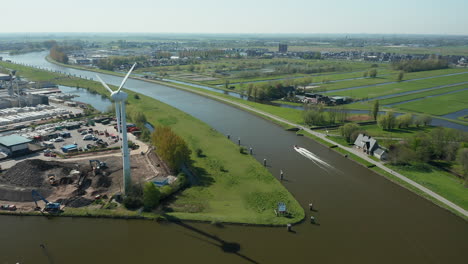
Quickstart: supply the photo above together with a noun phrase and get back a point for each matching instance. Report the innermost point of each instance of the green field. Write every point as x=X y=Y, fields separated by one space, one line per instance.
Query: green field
x=376 y=91
x=421 y=94
x=439 y=181
x=443 y=50
x=390 y=77
x=233 y=187
x=440 y=105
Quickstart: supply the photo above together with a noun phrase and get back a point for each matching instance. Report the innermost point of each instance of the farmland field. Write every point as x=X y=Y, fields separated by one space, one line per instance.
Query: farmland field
x=440 y=105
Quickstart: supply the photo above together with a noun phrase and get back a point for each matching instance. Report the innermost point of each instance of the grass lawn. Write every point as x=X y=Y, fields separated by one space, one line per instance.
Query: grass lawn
x=233 y=187
x=376 y=131
x=439 y=181
x=440 y=105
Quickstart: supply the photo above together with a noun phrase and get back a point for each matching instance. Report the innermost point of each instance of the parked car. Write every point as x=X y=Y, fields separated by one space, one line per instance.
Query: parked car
x=84 y=132
x=50 y=154
x=8 y=207
x=88 y=137
x=59 y=139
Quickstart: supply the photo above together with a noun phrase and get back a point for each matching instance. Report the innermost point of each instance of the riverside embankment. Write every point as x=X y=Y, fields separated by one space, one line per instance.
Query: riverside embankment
x=361 y=215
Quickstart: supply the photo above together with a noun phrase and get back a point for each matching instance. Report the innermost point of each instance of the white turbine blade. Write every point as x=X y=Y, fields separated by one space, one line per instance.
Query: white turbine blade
x=126 y=77
x=104 y=84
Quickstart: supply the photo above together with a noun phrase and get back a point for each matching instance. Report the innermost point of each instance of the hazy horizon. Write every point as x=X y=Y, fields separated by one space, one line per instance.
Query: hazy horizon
x=242 y=17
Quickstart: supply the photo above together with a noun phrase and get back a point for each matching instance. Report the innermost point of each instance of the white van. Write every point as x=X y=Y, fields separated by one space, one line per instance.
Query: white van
x=48 y=144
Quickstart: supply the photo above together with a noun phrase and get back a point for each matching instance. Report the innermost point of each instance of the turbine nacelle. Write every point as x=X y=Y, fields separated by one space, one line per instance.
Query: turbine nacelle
x=119 y=96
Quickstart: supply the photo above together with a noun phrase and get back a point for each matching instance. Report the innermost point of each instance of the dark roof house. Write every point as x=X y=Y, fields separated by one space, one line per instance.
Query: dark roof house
x=370 y=146
x=366 y=143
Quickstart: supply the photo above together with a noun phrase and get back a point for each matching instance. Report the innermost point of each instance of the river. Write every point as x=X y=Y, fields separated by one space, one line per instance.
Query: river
x=362 y=217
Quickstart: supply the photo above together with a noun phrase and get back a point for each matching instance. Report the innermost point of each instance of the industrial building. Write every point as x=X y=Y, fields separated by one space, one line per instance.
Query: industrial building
x=283 y=48
x=21 y=114
x=14 y=145
x=5 y=77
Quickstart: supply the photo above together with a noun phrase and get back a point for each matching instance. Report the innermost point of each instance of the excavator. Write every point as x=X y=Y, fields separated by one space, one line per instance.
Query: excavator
x=49 y=207
x=97 y=165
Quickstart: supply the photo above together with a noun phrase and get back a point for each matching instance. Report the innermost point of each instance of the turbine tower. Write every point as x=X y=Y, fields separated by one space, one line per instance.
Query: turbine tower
x=120 y=98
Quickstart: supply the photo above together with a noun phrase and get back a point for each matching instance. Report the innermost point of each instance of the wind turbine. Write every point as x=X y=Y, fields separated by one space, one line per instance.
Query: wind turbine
x=120 y=98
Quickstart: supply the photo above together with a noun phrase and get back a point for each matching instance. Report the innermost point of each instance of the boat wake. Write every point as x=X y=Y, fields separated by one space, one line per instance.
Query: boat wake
x=314 y=158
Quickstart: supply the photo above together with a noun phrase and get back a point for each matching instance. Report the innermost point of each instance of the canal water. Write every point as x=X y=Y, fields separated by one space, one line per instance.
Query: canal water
x=361 y=216
x=98 y=101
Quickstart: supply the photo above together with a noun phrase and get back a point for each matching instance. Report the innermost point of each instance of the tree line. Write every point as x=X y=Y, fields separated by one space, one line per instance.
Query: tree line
x=390 y=121
x=314 y=115
x=57 y=53
x=170 y=147
x=420 y=65
x=439 y=144
x=114 y=62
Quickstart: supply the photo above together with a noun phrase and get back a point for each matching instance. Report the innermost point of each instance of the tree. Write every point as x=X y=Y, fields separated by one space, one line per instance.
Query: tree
x=347 y=130
x=401 y=154
x=426 y=119
x=387 y=121
x=342 y=114
x=313 y=117
x=332 y=113
x=170 y=147
x=375 y=109
x=365 y=74
x=151 y=196
x=404 y=121
x=422 y=145
x=191 y=68
x=400 y=76
x=373 y=73
x=463 y=160
x=226 y=83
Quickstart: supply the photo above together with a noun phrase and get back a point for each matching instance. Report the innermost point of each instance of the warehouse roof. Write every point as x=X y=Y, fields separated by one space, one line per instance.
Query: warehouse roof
x=13 y=140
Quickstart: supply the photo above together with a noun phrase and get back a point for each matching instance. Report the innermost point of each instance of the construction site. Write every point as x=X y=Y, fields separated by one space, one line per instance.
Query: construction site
x=51 y=185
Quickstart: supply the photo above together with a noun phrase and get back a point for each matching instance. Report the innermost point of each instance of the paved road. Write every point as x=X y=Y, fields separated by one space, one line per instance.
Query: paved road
x=352 y=150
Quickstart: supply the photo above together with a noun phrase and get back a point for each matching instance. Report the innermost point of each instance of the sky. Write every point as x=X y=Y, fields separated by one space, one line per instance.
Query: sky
x=237 y=16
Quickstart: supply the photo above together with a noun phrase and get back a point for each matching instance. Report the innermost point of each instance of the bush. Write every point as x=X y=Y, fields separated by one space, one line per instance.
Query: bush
x=242 y=150
x=199 y=152
x=151 y=196
x=132 y=203
x=166 y=191
x=348 y=130
x=373 y=73
x=181 y=180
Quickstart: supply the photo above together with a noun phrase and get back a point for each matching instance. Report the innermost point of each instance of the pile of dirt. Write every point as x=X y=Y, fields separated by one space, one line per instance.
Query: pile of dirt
x=102 y=181
x=76 y=202
x=34 y=172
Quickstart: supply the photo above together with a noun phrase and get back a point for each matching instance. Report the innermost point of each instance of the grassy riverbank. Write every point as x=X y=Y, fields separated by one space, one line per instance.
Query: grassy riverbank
x=283 y=114
x=233 y=187
x=438 y=181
